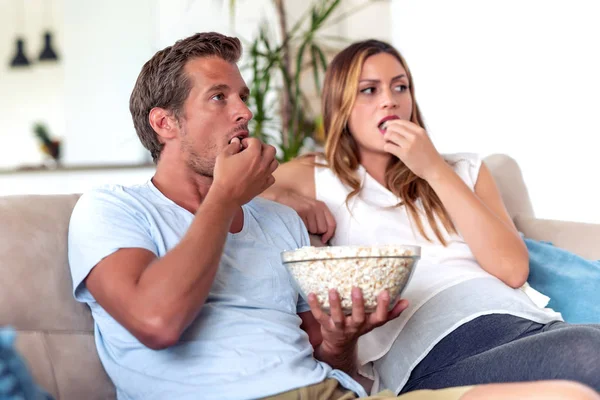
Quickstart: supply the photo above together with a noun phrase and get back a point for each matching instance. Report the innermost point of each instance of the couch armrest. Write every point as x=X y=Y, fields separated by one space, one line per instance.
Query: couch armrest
x=577 y=237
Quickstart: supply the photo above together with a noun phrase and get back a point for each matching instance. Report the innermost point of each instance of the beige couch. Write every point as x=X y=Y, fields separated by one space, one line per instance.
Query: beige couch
x=55 y=333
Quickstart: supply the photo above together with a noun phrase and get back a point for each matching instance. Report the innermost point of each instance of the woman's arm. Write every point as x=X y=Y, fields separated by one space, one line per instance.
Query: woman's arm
x=295 y=176
x=480 y=217
x=482 y=220
x=295 y=187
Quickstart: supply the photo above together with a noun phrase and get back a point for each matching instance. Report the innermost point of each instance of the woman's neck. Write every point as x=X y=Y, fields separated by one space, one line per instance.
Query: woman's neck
x=376 y=164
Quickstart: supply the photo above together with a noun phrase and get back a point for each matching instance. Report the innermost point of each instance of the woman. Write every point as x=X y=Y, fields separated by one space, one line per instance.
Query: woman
x=380 y=181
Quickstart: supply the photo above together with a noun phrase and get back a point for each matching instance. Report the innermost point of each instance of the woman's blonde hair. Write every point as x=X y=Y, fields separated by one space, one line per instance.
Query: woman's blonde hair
x=341 y=151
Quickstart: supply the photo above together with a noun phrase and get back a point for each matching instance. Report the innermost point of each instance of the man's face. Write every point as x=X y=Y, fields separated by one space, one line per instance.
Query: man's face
x=214 y=112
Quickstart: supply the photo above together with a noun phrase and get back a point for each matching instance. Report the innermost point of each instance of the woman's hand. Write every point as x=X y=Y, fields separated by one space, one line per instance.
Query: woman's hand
x=315 y=214
x=340 y=332
x=412 y=145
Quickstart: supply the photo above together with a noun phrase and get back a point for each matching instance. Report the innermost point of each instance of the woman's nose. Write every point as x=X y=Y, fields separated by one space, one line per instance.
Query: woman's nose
x=388 y=100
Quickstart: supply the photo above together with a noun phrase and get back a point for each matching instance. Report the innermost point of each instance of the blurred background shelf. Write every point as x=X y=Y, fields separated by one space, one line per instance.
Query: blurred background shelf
x=71 y=179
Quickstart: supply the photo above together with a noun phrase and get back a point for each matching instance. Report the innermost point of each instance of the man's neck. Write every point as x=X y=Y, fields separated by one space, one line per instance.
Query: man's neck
x=188 y=190
x=182 y=186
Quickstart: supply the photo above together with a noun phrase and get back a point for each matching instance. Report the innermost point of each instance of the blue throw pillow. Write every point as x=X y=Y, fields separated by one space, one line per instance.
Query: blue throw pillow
x=571 y=282
x=16 y=383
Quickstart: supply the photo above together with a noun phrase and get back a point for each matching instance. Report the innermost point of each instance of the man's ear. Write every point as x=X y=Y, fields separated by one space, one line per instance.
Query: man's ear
x=164 y=123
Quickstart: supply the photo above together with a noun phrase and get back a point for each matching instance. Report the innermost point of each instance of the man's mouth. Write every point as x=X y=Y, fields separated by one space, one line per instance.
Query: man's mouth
x=237 y=137
x=383 y=125
x=241 y=133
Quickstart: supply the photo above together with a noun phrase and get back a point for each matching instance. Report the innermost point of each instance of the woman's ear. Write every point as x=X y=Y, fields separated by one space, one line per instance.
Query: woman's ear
x=164 y=123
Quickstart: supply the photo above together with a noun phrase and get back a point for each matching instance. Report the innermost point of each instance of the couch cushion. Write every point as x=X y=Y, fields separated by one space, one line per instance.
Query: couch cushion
x=54 y=332
x=508 y=177
x=578 y=237
x=570 y=281
x=33 y=250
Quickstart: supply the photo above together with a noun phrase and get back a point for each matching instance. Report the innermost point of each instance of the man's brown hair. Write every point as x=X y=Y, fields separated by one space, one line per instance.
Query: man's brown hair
x=163 y=82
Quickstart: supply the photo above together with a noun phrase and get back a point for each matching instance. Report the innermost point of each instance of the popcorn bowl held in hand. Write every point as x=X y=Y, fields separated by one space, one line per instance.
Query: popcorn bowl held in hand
x=370 y=268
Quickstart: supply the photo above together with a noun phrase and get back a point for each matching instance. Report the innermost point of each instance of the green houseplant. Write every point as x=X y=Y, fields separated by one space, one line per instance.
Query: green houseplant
x=280 y=65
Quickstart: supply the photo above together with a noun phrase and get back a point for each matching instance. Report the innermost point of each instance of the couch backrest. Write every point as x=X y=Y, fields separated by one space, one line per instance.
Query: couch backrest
x=508 y=177
x=55 y=333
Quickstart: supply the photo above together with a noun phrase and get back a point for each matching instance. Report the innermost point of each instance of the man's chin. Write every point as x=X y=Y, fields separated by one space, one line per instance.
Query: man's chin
x=199 y=169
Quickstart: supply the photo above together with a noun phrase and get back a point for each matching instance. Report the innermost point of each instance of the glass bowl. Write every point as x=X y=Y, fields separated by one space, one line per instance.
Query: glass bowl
x=370 y=268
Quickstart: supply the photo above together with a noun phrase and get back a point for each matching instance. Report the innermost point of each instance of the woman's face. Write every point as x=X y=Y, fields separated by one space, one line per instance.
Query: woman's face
x=383 y=94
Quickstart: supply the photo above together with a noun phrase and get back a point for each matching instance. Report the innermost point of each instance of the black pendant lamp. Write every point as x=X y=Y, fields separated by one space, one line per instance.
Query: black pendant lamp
x=20 y=59
x=48 y=53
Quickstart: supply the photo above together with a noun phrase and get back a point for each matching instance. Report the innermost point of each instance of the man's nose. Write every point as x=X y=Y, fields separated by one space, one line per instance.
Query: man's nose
x=243 y=114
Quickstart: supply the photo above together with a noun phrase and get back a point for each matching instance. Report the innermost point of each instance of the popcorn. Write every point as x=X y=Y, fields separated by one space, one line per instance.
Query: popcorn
x=370 y=268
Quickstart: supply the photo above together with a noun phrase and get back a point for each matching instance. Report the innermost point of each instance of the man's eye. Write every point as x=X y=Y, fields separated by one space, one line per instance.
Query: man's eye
x=219 y=97
x=245 y=99
x=368 y=90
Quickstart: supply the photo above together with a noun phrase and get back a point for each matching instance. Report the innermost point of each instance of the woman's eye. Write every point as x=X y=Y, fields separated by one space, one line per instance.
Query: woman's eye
x=401 y=88
x=368 y=90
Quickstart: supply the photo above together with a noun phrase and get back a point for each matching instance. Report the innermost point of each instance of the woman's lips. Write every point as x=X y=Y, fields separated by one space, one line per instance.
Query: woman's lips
x=383 y=123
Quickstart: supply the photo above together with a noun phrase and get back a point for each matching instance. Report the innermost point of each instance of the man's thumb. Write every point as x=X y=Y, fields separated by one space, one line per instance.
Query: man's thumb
x=234 y=146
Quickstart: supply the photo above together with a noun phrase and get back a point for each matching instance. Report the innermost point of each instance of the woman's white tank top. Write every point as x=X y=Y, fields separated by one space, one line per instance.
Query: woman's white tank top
x=372 y=218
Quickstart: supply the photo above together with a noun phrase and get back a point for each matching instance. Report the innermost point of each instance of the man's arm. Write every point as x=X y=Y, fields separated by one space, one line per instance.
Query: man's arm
x=157 y=298
x=344 y=360
x=334 y=336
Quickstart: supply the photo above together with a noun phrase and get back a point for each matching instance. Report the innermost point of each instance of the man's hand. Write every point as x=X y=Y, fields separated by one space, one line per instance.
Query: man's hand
x=340 y=332
x=244 y=170
x=316 y=215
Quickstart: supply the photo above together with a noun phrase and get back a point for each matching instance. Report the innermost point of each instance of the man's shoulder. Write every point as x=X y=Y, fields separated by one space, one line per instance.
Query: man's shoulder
x=114 y=192
x=277 y=213
x=112 y=198
x=268 y=207
x=280 y=220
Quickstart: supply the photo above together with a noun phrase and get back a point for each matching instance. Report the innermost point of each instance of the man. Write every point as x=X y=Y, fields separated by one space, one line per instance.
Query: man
x=183 y=273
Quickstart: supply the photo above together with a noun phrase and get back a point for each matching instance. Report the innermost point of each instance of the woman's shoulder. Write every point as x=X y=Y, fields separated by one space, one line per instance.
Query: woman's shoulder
x=305 y=165
x=466 y=165
x=312 y=160
x=298 y=174
x=300 y=166
x=472 y=159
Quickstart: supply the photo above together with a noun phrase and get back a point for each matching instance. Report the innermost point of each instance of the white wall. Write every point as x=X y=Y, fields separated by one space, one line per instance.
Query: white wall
x=84 y=98
x=106 y=44
x=32 y=94
x=515 y=77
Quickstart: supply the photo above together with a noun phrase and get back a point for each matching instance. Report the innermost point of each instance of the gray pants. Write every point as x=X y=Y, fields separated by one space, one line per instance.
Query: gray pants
x=503 y=348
